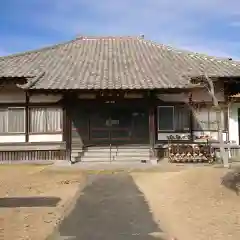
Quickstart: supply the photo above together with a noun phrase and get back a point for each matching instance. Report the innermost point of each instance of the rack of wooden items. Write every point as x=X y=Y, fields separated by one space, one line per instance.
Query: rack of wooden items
x=190 y=153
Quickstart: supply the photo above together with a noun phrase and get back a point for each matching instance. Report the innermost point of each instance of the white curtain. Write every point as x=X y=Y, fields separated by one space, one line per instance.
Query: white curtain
x=12 y=120
x=45 y=120
x=3 y=121
x=16 y=120
x=206 y=119
x=54 y=119
x=37 y=120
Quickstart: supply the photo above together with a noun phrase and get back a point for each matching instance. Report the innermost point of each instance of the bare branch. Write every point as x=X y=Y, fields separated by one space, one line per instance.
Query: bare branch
x=207 y=82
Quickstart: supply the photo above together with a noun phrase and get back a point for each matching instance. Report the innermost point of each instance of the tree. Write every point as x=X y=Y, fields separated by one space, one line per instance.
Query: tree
x=207 y=82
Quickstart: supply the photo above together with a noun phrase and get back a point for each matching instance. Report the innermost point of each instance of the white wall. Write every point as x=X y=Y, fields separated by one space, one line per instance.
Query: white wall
x=212 y=135
x=16 y=138
x=20 y=138
x=233 y=123
x=164 y=135
x=45 y=137
x=43 y=98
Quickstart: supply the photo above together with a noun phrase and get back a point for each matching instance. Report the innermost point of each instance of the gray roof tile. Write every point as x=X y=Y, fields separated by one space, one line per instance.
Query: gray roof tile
x=113 y=63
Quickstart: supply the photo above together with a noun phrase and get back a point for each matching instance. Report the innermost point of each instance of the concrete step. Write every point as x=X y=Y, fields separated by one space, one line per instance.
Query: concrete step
x=125 y=153
x=107 y=154
x=113 y=159
x=140 y=154
x=133 y=147
x=92 y=159
x=118 y=150
x=96 y=156
x=77 y=150
x=102 y=153
x=130 y=158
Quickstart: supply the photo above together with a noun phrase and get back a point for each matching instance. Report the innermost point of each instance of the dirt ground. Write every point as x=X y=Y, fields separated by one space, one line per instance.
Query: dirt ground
x=33 y=199
x=192 y=204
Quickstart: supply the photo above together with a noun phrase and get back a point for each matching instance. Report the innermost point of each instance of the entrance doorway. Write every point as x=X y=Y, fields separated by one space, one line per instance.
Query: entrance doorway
x=119 y=126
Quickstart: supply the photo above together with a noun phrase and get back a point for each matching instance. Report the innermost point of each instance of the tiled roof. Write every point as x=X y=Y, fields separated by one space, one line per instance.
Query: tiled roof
x=113 y=63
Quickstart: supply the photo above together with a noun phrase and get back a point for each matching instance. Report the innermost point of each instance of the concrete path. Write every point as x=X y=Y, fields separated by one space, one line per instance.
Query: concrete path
x=110 y=208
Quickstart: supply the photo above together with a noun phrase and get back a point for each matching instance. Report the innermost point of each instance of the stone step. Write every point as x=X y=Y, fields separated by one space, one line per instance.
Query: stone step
x=100 y=156
x=133 y=147
x=93 y=159
x=77 y=150
x=113 y=159
x=118 y=150
x=117 y=153
x=130 y=158
x=136 y=153
x=124 y=153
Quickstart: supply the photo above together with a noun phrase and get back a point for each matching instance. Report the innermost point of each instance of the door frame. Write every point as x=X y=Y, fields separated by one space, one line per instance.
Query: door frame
x=110 y=127
x=130 y=136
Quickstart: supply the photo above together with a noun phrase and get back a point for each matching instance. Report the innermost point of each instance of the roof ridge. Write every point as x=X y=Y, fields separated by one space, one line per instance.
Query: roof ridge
x=168 y=47
x=189 y=52
x=82 y=37
x=37 y=50
x=67 y=42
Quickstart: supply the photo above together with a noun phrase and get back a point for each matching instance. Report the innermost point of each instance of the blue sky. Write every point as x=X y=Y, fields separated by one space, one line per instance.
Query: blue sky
x=207 y=26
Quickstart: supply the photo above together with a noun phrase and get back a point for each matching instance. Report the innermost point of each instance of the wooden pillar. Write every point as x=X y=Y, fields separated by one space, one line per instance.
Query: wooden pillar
x=191 y=115
x=152 y=130
x=27 y=117
x=67 y=132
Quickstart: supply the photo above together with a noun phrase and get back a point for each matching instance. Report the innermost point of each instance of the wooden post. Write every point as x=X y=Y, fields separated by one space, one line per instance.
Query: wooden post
x=152 y=131
x=67 y=131
x=27 y=117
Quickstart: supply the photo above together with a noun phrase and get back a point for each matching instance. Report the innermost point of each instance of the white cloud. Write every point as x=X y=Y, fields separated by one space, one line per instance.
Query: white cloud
x=179 y=23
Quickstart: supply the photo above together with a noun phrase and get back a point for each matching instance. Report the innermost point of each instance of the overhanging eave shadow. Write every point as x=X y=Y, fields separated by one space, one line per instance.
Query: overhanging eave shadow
x=15 y=202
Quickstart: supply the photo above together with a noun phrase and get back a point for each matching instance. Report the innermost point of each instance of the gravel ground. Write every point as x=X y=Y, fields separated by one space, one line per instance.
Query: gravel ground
x=193 y=203
x=34 y=199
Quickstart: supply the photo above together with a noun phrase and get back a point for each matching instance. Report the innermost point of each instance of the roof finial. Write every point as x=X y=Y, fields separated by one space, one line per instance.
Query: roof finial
x=79 y=37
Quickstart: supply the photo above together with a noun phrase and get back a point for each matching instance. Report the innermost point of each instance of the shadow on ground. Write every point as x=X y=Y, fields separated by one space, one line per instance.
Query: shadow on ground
x=111 y=207
x=231 y=180
x=14 y=202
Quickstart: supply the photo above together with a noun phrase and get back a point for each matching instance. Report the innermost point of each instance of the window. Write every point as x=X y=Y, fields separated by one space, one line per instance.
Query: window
x=45 y=120
x=206 y=119
x=12 y=120
x=173 y=118
x=166 y=118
